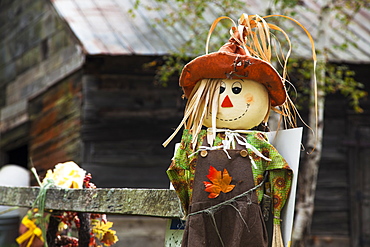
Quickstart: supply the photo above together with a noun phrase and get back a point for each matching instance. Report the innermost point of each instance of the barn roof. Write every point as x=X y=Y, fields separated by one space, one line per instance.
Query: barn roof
x=107 y=27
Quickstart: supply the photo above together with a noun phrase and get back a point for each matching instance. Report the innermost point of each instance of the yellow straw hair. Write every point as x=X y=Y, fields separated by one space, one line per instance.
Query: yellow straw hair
x=202 y=102
x=277 y=239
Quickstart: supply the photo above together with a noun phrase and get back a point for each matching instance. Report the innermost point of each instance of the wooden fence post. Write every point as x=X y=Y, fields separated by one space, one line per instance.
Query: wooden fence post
x=146 y=202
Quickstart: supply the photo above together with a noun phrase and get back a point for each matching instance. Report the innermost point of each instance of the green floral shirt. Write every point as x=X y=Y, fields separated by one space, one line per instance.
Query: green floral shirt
x=182 y=169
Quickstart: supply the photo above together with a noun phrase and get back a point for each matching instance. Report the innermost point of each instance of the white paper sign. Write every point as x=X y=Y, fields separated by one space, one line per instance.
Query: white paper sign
x=288 y=143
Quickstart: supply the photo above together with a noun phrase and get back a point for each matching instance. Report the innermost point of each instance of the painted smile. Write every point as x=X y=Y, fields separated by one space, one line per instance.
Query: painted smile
x=234 y=119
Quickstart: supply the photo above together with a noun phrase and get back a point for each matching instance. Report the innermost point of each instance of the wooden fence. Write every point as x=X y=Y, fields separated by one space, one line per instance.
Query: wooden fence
x=145 y=202
x=162 y=203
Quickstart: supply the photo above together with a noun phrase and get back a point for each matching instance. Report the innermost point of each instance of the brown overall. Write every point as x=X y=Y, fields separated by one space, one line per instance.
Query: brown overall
x=225 y=227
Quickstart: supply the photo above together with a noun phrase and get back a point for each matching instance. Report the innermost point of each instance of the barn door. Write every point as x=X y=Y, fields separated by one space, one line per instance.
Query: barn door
x=359 y=179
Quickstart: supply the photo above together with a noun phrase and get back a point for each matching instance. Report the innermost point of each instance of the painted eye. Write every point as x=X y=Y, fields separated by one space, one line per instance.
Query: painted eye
x=237 y=87
x=222 y=87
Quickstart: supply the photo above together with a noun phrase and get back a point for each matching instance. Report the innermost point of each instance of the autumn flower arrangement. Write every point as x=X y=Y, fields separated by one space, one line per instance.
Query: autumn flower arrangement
x=37 y=223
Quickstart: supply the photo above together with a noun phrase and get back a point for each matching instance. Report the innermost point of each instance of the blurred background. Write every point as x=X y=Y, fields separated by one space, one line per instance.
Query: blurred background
x=96 y=82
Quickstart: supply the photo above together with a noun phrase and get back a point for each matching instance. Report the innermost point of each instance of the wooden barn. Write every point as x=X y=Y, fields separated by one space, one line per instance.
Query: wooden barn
x=73 y=87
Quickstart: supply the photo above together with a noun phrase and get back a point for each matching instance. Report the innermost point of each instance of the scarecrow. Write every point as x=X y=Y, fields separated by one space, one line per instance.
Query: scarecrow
x=225 y=171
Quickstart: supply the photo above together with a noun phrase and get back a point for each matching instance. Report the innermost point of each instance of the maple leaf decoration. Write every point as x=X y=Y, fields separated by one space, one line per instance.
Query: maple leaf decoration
x=220 y=181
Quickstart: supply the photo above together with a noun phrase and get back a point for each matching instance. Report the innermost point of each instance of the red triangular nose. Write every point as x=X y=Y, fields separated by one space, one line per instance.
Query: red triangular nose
x=227 y=102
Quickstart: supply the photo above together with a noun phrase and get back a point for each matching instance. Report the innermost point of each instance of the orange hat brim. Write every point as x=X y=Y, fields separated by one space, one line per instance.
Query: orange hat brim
x=227 y=65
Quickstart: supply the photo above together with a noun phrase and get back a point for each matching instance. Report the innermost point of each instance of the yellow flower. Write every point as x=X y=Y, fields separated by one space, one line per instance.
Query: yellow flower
x=66 y=175
x=109 y=238
x=103 y=233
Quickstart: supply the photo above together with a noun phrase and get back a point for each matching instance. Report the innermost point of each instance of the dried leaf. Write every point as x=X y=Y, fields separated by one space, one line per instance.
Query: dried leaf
x=220 y=181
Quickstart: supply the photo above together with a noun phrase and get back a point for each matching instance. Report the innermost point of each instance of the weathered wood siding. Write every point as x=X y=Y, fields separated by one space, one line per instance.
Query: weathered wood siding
x=358 y=149
x=358 y=143
x=331 y=216
x=341 y=204
x=55 y=123
x=126 y=117
x=36 y=51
